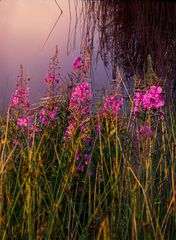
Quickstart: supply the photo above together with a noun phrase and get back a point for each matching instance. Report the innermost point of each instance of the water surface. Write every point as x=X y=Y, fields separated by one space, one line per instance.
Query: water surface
x=119 y=33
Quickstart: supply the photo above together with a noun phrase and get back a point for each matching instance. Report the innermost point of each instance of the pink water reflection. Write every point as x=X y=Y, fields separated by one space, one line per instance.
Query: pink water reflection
x=24 y=27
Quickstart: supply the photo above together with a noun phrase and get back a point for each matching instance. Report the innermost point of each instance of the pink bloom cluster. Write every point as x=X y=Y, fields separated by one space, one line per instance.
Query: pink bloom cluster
x=27 y=125
x=35 y=128
x=80 y=102
x=52 y=79
x=22 y=122
x=77 y=64
x=27 y=122
x=53 y=76
x=46 y=115
x=20 y=97
x=112 y=106
x=81 y=99
x=20 y=101
x=150 y=100
x=69 y=131
x=81 y=96
x=144 y=132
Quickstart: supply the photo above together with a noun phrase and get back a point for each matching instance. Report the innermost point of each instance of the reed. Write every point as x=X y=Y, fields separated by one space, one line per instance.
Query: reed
x=128 y=31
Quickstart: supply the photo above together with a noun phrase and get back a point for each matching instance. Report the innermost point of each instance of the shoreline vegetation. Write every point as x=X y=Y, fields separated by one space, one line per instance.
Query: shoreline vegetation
x=75 y=168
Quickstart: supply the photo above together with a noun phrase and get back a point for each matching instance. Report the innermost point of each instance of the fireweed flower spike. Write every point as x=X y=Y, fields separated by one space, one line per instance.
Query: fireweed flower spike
x=80 y=107
x=50 y=79
x=69 y=131
x=150 y=100
x=111 y=106
x=20 y=98
x=49 y=111
x=22 y=122
x=77 y=64
x=80 y=102
x=27 y=122
x=20 y=102
x=53 y=76
x=46 y=115
x=81 y=64
x=144 y=132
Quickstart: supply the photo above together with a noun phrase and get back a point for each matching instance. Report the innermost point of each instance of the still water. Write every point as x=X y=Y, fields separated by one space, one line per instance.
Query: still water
x=119 y=33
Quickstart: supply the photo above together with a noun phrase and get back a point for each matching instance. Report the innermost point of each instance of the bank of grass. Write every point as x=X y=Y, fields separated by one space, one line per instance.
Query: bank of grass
x=130 y=195
x=126 y=192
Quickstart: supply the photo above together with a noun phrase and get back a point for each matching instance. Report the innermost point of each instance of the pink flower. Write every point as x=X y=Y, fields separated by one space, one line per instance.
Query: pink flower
x=52 y=79
x=138 y=99
x=52 y=114
x=152 y=99
x=136 y=110
x=35 y=128
x=149 y=100
x=81 y=100
x=15 y=141
x=144 y=132
x=112 y=106
x=43 y=116
x=20 y=98
x=15 y=99
x=46 y=115
x=22 y=122
x=77 y=64
x=156 y=90
x=69 y=131
x=53 y=76
x=80 y=103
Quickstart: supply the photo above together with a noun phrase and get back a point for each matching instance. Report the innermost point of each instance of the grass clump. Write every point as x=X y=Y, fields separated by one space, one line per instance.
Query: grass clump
x=72 y=169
